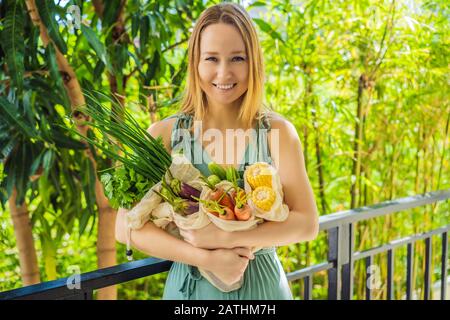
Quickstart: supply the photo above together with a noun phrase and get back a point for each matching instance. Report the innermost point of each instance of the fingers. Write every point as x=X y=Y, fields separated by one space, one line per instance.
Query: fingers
x=244 y=252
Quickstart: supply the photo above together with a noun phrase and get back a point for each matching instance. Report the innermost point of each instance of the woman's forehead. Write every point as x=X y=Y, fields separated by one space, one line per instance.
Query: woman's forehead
x=221 y=38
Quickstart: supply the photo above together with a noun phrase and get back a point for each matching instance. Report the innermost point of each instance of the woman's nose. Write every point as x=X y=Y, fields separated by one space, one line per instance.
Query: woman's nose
x=224 y=70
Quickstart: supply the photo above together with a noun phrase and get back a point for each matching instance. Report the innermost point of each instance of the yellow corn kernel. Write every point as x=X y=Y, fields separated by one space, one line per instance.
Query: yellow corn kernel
x=258 y=175
x=263 y=197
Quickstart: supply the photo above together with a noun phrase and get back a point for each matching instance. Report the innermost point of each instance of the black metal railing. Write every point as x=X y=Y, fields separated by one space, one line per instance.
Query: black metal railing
x=339 y=266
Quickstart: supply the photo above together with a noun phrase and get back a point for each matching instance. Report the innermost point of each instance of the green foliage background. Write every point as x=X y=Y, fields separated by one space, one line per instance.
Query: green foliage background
x=366 y=84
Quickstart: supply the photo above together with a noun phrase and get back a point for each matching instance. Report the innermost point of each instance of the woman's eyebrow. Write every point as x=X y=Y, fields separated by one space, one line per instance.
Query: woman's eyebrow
x=213 y=52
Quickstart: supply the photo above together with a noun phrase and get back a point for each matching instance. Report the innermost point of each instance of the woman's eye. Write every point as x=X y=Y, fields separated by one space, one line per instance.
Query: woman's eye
x=238 y=59
x=211 y=59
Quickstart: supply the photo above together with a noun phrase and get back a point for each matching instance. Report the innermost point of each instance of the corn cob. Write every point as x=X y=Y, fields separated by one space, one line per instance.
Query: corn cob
x=258 y=175
x=263 y=197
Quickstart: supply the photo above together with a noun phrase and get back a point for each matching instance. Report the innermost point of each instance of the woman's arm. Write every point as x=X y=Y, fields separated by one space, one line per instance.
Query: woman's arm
x=302 y=223
x=228 y=264
x=154 y=241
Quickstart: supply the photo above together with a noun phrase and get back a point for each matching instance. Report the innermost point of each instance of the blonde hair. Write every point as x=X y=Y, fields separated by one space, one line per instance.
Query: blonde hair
x=194 y=99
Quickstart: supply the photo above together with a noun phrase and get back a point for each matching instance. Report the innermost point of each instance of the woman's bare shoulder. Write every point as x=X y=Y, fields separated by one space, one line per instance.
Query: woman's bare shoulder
x=277 y=121
x=283 y=138
x=163 y=128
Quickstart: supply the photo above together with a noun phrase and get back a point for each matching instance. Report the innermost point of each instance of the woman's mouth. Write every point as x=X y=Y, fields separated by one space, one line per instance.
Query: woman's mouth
x=225 y=87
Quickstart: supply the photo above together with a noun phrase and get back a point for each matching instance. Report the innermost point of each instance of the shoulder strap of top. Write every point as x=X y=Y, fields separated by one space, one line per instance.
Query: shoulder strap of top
x=180 y=129
x=264 y=121
x=260 y=151
x=263 y=146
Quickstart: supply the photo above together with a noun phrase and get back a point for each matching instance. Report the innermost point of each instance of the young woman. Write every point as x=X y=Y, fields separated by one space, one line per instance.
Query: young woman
x=225 y=91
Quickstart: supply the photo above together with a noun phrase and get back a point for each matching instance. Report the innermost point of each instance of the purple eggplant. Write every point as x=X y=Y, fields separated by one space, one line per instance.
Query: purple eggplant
x=190 y=207
x=188 y=192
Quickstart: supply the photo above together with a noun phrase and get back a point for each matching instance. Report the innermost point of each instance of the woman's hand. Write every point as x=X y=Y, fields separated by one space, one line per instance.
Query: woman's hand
x=229 y=264
x=209 y=237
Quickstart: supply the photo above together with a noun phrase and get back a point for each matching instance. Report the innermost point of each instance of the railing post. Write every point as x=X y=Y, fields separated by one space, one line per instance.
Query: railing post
x=427 y=292
x=308 y=280
x=338 y=254
x=88 y=295
x=347 y=268
x=444 y=266
x=390 y=275
x=369 y=262
x=409 y=270
x=333 y=275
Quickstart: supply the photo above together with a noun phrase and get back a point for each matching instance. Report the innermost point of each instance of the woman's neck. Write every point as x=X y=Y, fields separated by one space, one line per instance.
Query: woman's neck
x=223 y=117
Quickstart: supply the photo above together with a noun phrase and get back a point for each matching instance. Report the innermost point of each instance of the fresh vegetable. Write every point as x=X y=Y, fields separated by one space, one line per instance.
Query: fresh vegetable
x=214 y=213
x=140 y=160
x=188 y=192
x=217 y=170
x=244 y=213
x=213 y=179
x=232 y=175
x=240 y=198
x=258 y=175
x=175 y=184
x=124 y=187
x=182 y=189
x=263 y=197
x=120 y=137
x=227 y=214
x=242 y=210
x=217 y=209
x=180 y=205
x=222 y=197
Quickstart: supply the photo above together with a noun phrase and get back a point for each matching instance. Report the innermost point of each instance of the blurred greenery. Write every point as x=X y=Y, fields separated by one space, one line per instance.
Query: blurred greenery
x=364 y=82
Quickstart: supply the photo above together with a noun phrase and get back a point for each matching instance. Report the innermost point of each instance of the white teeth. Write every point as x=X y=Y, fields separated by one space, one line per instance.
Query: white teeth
x=224 y=86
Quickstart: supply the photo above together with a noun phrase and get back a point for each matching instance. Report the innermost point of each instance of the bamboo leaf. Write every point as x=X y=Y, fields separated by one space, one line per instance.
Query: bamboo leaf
x=53 y=65
x=84 y=219
x=98 y=70
x=12 y=42
x=47 y=161
x=267 y=28
x=144 y=32
x=96 y=44
x=111 y=12
x=47 y=12
x=11 y=116
x=63 y=141
x=88 y=183
x=257 y=4
x=23 y=158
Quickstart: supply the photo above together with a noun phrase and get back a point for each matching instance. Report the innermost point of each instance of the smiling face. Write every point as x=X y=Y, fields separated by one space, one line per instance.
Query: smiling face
x=223 y=65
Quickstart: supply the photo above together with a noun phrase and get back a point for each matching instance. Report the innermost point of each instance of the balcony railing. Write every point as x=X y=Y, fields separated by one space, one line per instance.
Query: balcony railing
x=339 y=265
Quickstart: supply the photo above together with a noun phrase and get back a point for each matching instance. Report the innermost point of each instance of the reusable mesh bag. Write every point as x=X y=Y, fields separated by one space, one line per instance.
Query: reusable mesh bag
x=152 y=208
x=229 y=226
x=278 y=211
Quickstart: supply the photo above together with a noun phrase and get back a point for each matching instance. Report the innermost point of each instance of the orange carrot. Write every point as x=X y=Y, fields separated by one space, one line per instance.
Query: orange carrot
x=214 y=213
x=225 y=200
x=228 y=214
x=216 y=194
x=244 y=213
